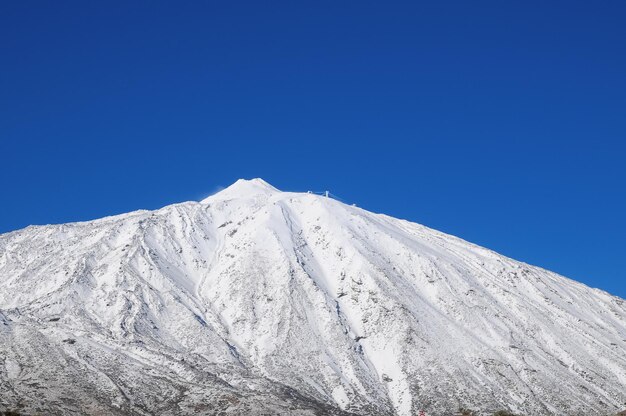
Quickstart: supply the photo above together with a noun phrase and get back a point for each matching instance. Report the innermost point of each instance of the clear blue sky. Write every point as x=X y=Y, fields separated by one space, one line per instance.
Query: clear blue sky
x=501 y=122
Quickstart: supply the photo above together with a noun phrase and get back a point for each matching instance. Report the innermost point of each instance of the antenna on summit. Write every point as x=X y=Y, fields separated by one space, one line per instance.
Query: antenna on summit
x=326 y=194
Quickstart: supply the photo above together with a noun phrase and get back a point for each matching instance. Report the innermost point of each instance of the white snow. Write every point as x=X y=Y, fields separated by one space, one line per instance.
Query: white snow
x=252 y=290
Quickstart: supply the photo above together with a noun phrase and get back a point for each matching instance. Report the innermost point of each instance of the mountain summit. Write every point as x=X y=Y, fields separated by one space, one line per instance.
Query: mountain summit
x=256 y=301
x=244 y=189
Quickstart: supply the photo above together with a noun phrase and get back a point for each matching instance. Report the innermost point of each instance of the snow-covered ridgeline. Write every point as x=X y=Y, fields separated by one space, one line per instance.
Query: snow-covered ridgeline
x=259 y=300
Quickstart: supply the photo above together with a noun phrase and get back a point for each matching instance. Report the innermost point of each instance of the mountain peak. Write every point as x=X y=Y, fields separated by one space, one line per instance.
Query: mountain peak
x=244 y=188
x=262 y=302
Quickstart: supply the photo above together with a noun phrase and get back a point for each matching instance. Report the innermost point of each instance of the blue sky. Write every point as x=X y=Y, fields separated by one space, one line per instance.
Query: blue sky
x=501 y=122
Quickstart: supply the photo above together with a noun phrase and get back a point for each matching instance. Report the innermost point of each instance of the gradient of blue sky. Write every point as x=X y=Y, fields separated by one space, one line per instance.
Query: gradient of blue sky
x=500 y=122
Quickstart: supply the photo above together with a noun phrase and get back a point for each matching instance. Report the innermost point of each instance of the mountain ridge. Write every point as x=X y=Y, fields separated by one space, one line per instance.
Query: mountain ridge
x=297 y=303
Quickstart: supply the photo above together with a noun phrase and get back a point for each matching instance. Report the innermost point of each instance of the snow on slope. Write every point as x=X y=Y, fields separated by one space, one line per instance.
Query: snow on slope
x=256 y=301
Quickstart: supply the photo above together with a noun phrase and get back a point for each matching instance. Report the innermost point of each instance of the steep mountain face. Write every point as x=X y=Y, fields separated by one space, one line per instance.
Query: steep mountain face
x=256 y=301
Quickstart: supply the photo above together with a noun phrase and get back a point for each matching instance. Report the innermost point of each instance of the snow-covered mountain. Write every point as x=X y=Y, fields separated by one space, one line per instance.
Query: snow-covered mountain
x=256 y=301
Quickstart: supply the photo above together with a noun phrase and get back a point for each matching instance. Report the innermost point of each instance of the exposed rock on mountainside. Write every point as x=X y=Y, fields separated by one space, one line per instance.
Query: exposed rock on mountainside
x=256 y=301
